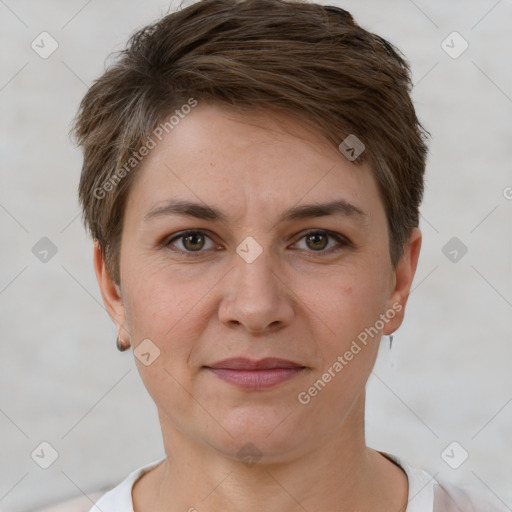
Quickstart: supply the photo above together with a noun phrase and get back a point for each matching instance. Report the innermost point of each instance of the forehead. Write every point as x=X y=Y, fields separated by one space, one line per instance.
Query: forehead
x=238 y=161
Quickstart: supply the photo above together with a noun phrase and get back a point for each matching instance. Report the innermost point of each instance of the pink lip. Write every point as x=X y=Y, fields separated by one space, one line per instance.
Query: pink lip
x=256 y=375
x=243 y=363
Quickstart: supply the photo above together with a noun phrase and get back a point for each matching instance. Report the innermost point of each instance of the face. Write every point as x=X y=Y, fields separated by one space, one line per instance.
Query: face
x=255 y=271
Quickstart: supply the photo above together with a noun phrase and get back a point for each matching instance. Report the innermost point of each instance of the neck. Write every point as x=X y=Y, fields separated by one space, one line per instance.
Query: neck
x=338 y=472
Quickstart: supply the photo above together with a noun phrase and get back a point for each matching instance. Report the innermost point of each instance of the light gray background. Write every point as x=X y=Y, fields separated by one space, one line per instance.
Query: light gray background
x=62 y=381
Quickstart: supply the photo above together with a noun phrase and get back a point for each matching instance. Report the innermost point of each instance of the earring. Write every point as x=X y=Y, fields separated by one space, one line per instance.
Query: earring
x=390 y=341
x=120 y=345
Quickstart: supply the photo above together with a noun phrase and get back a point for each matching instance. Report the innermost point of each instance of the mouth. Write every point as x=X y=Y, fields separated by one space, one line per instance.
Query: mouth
x=256 y=374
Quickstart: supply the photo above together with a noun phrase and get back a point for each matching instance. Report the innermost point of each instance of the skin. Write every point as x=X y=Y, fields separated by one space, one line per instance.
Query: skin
x=297 y=300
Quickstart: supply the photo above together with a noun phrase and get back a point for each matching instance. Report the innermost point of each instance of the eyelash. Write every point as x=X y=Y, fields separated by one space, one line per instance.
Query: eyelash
x=342 y=241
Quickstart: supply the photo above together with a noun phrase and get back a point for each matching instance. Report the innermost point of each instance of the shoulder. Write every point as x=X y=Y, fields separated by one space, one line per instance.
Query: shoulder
x=428 y=494
x=120 y=497
x=112 y=499
x=449 y=498
x=80 y=504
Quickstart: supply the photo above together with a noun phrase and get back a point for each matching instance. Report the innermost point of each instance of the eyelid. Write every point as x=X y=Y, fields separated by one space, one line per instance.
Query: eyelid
x=182 y=234
x=343 y=241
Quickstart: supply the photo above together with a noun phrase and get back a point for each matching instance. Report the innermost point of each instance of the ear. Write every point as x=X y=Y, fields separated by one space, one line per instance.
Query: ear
x=111 y=293
x=404 y=274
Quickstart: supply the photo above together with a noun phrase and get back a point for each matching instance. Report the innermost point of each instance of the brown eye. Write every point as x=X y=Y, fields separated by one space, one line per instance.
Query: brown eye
x=193 y=242
x=320 y=241
x=190 y=242
x=317 y=241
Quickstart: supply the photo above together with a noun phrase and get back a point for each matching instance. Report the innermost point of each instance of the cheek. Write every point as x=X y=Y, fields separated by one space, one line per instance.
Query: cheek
x=350 y=306
x=167 y=307
x=348 y=301
x=161 y=308
x=348 y=341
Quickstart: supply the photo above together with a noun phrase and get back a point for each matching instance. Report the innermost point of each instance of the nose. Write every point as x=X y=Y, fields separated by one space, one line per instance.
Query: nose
x=257 y=298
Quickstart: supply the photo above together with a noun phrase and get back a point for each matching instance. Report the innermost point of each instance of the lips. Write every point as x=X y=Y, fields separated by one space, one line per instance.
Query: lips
x=242 y=363
x=255 y=374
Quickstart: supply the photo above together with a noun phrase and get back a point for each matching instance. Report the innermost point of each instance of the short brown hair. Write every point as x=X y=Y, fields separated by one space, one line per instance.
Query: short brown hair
x=303 y=59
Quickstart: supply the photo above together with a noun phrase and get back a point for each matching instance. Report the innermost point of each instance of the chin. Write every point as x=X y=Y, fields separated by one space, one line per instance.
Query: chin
x=272 y=438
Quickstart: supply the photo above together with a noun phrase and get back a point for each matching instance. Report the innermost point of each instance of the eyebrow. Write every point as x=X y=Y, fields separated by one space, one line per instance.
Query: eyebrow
x=307 y=211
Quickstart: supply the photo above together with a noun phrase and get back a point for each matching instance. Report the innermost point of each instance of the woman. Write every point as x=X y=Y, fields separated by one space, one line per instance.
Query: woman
x=252 y=179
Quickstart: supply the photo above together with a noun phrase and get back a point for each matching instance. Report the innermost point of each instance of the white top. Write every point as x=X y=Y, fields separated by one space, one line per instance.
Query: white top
x=425 y=493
